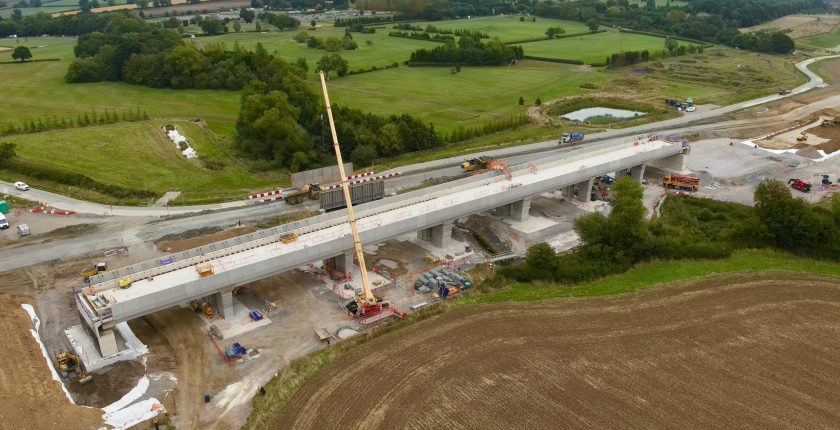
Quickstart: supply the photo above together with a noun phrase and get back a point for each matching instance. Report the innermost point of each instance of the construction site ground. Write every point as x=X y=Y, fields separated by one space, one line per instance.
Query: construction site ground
x=31 y=399
x=717 y=352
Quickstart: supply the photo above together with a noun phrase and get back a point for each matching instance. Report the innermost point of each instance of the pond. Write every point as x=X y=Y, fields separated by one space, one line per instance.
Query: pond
x=584 y=114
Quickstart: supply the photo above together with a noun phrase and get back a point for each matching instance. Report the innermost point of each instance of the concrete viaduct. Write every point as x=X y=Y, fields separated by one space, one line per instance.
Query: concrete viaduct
x=162 y=283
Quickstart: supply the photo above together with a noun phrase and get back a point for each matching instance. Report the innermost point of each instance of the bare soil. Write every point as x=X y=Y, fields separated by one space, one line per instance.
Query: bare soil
x=195 y=238
x=755 y=350
x=800 y=25
x=198 y=367
x=30 y=398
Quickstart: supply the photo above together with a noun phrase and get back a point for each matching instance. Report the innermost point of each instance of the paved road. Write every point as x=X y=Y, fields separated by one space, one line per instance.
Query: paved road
x=416 y=173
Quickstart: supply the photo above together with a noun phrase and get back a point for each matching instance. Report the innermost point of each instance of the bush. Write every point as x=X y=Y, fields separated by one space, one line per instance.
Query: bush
x=552 y=60
x=42 y=172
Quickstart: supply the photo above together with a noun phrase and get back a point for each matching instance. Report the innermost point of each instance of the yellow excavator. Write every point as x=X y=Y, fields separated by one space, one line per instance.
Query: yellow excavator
x=69 y=365
x=365 y=304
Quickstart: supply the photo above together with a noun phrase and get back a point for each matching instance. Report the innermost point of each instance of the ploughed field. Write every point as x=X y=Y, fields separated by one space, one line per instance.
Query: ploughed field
x=753 y=350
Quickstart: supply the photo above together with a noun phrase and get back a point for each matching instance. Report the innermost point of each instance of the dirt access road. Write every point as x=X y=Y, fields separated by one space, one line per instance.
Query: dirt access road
x=746 y=351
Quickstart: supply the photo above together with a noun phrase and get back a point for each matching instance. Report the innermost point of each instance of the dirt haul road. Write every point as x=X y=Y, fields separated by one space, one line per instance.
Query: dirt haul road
x=755 y=351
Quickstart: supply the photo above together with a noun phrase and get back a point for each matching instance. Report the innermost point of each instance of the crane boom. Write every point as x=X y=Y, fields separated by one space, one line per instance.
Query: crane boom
x=366 y=298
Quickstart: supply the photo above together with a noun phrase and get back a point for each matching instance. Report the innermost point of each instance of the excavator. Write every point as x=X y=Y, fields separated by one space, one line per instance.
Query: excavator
x=70 y=365
x=365 y=303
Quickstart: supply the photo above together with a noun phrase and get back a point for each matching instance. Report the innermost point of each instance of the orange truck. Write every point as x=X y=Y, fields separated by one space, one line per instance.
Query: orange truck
x=679 y=182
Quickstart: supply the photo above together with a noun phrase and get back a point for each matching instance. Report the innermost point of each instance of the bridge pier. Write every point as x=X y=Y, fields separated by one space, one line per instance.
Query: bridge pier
x=517 y=210
x=585 y=189
x=342 y=263
x=224 y=303
x=637 y=172
x=440 y=235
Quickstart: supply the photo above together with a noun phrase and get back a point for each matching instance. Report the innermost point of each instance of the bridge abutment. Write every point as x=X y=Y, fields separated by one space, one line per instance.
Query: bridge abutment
x=674 y=162
x=106 y=339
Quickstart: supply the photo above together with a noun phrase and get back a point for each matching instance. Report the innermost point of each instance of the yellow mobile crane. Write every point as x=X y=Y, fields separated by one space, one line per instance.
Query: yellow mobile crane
x=366 y=303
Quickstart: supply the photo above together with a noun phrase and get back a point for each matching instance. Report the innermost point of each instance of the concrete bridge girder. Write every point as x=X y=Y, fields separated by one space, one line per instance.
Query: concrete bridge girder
x=404 y=213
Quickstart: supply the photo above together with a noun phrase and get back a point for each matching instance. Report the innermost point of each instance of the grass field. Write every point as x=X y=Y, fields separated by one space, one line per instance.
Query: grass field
x=827 y=40
x=509 y=28
x=121 y=153
x=34 y=90
x=593 y=48
x=383 y=51
x=470 y=98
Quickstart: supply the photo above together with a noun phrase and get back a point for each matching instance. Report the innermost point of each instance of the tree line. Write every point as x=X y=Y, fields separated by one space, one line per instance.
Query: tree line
x=282 y=123
x=81 y=120
x=64 y=25
x=469 y=50
x=672 y=49
x=708 y=20
x=366 y=19
x=331 y=44
x=688 y=228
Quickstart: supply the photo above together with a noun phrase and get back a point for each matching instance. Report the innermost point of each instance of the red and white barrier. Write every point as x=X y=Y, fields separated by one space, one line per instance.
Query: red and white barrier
x=266 y=194
x=361 y=181
x=277 y=192
x=43 y=210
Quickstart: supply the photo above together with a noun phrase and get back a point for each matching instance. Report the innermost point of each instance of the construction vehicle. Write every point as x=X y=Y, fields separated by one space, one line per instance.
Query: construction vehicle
x=826 y=180
x=479 y=163
x=798 y=184
x=571 y=137
x=68 y=363
x=204 y=270
x=124 y=283
x=679 y=182
x=784 y=92
x=802 y=137
x=297 y=195
x=828 y=123
x=208 y=310
x=95 y=270
x=365 y=305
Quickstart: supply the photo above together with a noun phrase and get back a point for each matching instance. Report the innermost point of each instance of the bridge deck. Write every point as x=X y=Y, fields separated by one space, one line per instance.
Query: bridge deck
x=486 y=189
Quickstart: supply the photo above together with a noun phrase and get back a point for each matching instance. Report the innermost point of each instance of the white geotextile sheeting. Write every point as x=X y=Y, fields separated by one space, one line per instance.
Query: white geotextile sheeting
x=823 y=155
x=176 y=137
x=35 y=321
x=134 y=414
x=130 y=397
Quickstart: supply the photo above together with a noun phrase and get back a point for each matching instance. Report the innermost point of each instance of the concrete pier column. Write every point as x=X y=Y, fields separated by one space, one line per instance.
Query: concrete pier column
x=637 y=172
x=341 y=263
x=440 y=235
x=107 y=340
x=503 y=210
x=585 y=189
x=519 y=210
x=569 y=192
x=224 y=303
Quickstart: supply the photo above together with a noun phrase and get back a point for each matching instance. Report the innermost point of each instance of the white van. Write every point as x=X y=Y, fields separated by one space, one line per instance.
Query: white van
x=4 y=223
